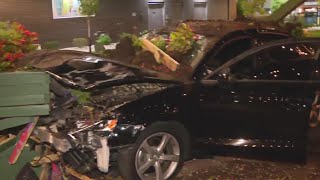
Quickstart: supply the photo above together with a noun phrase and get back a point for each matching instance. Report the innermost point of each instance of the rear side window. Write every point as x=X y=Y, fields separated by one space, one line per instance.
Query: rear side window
x=290 y=62
x=293 y=52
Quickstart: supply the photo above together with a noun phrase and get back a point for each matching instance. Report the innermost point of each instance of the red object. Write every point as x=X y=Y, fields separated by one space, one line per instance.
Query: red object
x=26 y=132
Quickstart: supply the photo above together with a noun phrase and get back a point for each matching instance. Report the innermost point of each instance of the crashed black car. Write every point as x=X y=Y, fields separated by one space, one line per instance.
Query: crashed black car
x=240 y=90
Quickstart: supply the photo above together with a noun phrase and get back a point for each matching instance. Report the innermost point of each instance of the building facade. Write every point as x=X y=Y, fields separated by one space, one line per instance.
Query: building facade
x=113 y=17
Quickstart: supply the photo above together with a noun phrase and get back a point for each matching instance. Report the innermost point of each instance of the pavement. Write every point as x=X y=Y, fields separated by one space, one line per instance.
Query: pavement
x=232 y=168
x=220 y=167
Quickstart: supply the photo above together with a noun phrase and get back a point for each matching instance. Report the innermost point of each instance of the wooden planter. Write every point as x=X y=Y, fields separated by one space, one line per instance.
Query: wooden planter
x=23 y=95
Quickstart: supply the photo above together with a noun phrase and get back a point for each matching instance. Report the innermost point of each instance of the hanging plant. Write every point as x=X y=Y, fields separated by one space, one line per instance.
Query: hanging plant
x=15 y=42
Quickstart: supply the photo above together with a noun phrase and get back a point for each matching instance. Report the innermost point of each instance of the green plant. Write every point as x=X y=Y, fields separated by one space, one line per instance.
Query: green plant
x=50 y=45
x=15 y=42
x=125 y=35
x=250 y=7
x=83 y=97
x=136 y=41
x=182 y=39
x=160 y=42
x=89 y=8
x=4 y=65
x=104 y=39
x=276 y=4
x=80 y=42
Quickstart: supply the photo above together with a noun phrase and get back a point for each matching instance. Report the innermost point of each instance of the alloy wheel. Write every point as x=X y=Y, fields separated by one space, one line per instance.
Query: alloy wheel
x=157 y=156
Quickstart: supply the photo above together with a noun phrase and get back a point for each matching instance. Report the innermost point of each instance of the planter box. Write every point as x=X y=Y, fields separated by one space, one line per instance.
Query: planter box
x=22 y=96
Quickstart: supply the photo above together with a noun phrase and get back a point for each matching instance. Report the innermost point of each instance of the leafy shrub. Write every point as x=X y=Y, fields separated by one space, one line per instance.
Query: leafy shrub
x=50 y=45
x=160 y=42
x=80 y=42
x=15 y=42
x=249 y=8
x=136 y=42
x=104 y=39
x=182 y=39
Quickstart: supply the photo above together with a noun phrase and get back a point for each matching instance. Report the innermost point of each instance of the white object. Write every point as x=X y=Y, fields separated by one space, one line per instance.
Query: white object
x=103 y=155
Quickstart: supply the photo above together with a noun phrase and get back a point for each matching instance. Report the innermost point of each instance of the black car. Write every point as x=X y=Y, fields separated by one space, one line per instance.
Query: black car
x=257 y=96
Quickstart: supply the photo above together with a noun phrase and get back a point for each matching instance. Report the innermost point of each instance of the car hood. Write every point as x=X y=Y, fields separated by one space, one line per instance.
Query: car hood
x=91 y=72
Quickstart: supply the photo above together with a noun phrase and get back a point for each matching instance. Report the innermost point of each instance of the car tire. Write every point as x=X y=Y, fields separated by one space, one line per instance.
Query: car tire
x=158 y=152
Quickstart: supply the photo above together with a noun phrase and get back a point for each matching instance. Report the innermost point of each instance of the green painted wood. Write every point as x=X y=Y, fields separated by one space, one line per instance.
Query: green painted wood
x=24 y=90
x=9 y=172
x=18 y=111
x=14 y=122
x=24 y=100
x=14 y=78
x=8 y=144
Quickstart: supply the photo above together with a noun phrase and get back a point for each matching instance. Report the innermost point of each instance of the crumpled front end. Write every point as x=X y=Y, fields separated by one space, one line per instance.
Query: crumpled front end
x=86 y=132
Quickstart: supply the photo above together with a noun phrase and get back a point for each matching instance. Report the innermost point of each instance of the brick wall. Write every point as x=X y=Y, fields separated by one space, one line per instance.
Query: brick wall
x=114 y=16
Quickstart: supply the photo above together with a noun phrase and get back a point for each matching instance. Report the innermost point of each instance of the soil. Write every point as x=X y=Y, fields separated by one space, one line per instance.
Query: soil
x=220 y=28
x=124 y=52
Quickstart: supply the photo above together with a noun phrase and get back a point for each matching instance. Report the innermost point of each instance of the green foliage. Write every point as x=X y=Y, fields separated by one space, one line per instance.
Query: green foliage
x=160 y=42
x=143 y=32
x=80 y=42
x=50 y=45
x=125 y=35
x=83 y=97
x=4 y=65
x=182 y=39
x=89 y=7
x=275 y=4
x=250 y=7
x=104 y=39
x=136 y=42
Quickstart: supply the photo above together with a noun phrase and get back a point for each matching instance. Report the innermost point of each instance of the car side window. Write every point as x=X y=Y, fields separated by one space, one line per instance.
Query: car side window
x=294 y=62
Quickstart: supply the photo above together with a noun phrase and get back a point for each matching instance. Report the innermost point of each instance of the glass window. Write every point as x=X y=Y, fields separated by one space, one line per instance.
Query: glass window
x=278 y=63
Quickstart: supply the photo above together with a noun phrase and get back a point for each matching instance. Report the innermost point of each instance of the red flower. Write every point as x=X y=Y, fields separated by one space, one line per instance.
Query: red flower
x=18 y=55
x=22 y=41
x=27 y=32
x=9 y=57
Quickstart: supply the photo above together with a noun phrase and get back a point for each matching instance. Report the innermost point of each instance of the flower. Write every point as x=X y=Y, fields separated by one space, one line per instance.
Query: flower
x=9 y=57
x=15 y=41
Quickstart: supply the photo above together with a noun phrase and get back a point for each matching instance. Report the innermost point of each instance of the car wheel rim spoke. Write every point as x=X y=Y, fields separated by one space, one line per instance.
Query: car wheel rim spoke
x=147 y=147
x=164 y=141
x=159 y=173
x=172 y=158
x=145 y=166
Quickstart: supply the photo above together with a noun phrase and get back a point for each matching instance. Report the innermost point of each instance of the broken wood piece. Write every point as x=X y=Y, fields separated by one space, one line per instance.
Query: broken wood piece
x=160 y=56
x=44 y=174
x=76 y=174
x=6 y=139
x=45 y=159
